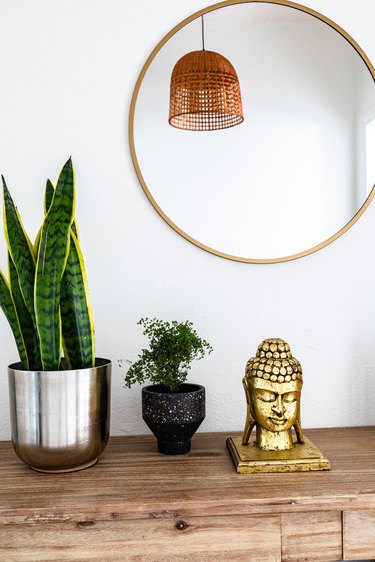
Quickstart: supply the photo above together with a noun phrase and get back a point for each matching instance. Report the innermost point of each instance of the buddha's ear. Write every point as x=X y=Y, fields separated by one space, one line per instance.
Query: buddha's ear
x=250 y=422
x=245 y=383
x=297 y=426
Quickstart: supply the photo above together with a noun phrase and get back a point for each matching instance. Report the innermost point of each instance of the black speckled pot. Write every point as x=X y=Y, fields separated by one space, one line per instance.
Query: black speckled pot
x=173 y=417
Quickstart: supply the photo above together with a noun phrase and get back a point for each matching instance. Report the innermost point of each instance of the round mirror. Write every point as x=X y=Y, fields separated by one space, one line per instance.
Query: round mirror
x=298 y=171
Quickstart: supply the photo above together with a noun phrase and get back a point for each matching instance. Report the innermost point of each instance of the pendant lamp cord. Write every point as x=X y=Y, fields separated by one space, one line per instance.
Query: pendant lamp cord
x=203 y=34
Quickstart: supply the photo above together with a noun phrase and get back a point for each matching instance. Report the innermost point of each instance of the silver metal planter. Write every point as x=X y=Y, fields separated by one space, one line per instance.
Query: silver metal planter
x=60 y=419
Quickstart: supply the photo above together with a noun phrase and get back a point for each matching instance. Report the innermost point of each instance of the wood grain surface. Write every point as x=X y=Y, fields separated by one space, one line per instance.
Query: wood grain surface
x=132 y=480
x=136 y=505
x=234 y=538
x=359 y=534
x=311 y=536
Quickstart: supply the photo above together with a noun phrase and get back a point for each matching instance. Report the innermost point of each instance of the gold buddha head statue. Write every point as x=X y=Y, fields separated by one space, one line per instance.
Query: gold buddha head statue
x=273 y=383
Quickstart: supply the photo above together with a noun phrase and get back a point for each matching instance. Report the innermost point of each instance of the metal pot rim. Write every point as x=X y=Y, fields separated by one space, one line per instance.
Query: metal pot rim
x=99 y=362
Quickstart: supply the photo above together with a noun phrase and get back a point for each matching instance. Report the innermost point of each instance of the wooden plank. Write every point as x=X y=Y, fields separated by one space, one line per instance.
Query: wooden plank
x=232 y=538
x=359 y=535
x=311 y=536
x=132 y=480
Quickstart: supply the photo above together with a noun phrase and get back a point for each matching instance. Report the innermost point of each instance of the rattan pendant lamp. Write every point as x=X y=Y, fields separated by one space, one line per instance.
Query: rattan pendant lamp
x=205 y=92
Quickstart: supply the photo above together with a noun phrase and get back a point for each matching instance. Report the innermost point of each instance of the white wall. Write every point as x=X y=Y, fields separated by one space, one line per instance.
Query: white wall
x=67 y=72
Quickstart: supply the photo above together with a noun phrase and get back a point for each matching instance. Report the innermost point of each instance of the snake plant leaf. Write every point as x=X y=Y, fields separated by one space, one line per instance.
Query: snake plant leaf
x=48 y=196
x=75 y=307
x=76 y=314
x=20 y=250
x=75 y=229
x=26 y=324
x=37 y=242
x=52 y=256
x=9 y=309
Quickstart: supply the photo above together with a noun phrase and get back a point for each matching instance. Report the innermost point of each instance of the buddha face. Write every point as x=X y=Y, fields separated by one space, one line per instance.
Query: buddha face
x=274 y=405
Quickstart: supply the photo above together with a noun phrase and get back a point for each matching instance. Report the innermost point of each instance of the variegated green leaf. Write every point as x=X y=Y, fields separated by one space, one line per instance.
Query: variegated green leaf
x=37 y=242
x=52 y=257
x=28 y=329
x=9 y=309
x=48 y=196
x=76 y=315
x=20 y=249
x=75 y=229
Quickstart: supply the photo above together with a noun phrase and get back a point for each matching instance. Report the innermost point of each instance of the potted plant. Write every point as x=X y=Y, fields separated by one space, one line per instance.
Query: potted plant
x=59 y=407
x=172 y=408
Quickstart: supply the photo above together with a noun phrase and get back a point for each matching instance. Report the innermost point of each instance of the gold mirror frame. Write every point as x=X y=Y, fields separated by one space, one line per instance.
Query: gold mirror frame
x=151 y=57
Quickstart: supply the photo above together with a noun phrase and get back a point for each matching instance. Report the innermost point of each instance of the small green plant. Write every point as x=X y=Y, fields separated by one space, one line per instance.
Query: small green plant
x=173 y=346
x=46 y=300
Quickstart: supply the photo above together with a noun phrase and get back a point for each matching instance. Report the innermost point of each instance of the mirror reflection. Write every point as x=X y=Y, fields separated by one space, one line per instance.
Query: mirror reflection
x=298 y=168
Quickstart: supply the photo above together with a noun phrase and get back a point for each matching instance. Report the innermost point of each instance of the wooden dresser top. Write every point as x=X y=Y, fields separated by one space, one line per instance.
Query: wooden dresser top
x=132 y=481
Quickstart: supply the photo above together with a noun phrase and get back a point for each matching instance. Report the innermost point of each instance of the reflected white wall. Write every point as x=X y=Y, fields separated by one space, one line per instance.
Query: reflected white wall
x=365 y=149
x=284 y=180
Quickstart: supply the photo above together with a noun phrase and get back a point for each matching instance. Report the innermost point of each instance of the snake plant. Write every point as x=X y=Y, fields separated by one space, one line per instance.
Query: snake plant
x=46 y=299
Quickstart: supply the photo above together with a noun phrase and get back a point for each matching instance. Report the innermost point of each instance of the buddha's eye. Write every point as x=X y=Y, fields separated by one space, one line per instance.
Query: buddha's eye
x=267 y=396
x=290 y=397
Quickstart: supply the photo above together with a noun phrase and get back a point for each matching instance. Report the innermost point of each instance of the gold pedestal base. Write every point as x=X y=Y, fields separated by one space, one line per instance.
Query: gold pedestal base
x=250 y=459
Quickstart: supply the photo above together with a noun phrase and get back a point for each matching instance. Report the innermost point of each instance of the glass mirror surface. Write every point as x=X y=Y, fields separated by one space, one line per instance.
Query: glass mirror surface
x=298 y=168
